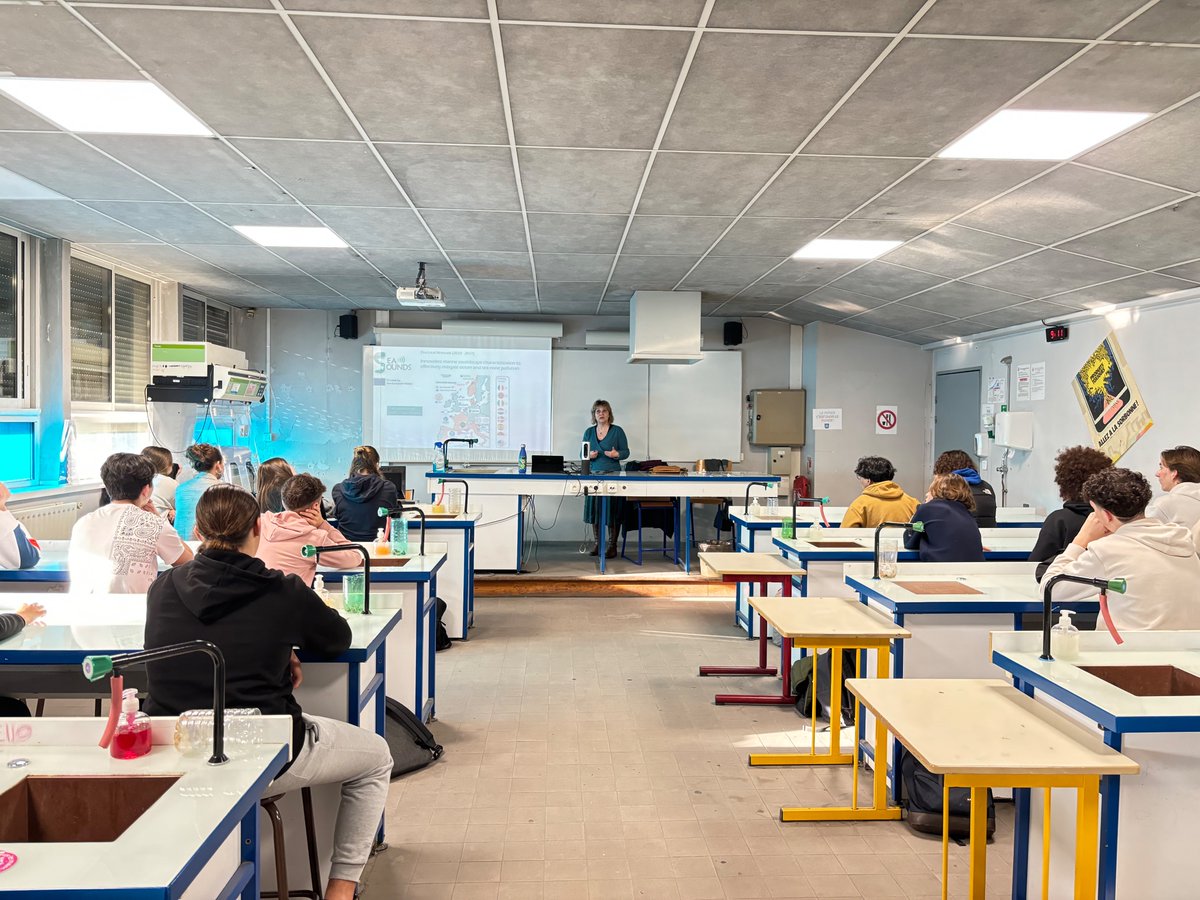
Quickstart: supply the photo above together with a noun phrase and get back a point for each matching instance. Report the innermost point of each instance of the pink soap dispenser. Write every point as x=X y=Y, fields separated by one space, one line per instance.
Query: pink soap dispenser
x=131 y=737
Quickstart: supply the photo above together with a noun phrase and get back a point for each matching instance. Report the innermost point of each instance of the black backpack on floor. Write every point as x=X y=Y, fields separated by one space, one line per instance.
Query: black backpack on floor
x=443 y=636
x=801 y=675
x=413 y=746
x=923 y=799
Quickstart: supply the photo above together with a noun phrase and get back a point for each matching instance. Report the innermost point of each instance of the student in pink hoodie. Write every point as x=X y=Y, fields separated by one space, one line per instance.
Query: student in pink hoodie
x=286 y=533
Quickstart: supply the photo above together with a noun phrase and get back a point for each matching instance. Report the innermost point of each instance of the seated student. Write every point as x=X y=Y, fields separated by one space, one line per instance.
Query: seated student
x=356 y=501
x=1158 y=559
x=164 y=483
x=285 y=534
x=11 y=624
x=960 y=462
x=17 y=549
x=951 y=533
x=1072 y=467
x=256 y=616
x=116 y=549
x=1179 y=475
x=210 y=467
x=272 y=473
x=882 y=500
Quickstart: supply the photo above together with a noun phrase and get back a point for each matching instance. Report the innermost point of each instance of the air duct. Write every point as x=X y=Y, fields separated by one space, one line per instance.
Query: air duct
x=664 y=327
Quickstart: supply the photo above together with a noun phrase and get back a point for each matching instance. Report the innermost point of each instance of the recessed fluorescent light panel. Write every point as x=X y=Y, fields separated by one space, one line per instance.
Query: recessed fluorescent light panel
x=830 y=248
x=280 y=236
x=104 y=107
x=1039 y=134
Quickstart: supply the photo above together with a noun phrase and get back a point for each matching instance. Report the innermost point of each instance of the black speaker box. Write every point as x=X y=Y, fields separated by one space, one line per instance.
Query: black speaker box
x=348 y=326
x=733 y=334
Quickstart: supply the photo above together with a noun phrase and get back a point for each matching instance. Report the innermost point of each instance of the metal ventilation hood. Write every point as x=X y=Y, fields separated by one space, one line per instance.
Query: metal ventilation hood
x=664 y=327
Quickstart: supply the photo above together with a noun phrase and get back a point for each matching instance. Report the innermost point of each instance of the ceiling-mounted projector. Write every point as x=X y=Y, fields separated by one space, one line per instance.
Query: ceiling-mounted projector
x=420 y=294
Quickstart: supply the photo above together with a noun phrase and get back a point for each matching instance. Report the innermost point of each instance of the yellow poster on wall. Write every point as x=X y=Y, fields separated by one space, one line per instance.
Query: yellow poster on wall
x=1114 y=409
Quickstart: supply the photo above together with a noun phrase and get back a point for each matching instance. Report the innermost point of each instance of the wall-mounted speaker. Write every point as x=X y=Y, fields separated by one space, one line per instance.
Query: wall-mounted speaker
x=348 y=327
x=733 y=334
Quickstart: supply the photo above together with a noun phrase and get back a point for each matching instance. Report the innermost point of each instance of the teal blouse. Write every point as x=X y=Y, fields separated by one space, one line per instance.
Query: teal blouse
x=614 y=440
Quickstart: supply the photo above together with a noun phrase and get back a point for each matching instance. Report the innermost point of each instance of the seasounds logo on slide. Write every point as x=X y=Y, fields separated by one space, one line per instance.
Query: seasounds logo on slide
x=385 y=363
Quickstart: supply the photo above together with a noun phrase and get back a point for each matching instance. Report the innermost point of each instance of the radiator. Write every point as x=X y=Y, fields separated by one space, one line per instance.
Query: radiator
x=49 y=521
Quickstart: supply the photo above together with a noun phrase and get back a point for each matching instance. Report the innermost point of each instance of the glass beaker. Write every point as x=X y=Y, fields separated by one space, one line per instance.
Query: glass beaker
x=889 y=553
x=354 y=588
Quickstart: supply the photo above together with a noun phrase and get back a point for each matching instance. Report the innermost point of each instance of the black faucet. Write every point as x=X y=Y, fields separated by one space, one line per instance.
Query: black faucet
x=406 y=506
x=310 y=550
x=746 y=502
x=96 y=667
x=1116 y=585
x=470 y=442
x=915 y=526
x=466 y=490
x=820 y=501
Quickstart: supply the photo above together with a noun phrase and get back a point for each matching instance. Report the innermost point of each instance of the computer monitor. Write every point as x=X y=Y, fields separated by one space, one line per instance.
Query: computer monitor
x=395 y=474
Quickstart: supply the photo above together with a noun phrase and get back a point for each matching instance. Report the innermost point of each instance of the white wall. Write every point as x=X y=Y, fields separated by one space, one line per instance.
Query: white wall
x=856 y=371
x=1159 y=345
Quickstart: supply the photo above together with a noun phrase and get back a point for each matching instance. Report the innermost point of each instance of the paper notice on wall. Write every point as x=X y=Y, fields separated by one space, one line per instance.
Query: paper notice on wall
x=995 y=390
x=1022 y=391
x=827 y=419
x=1037 y=381
x=887 y=419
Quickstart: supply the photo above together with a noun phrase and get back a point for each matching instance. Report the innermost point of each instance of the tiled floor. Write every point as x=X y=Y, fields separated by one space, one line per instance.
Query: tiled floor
x=585 y=760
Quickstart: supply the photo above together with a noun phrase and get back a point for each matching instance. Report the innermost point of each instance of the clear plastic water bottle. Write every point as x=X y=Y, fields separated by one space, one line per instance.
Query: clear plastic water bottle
x=399 y=537
x=194 y=730
x=522 y=461
x=438 y=464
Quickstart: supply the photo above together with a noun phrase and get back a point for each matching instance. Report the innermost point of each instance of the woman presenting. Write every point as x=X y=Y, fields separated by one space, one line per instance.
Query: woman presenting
x=608 y=447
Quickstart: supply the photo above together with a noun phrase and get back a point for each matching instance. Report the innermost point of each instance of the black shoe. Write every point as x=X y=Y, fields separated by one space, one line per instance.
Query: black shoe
x=611 y=552
x=595 y=551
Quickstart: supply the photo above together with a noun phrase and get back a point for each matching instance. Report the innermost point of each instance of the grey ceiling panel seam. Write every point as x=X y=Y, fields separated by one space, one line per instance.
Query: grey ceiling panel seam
x=1027 y=89
x=374 y=151
x=502 y=78
x=689 y=57
x=813 y=132
x=1147 y=181
x=87 y=23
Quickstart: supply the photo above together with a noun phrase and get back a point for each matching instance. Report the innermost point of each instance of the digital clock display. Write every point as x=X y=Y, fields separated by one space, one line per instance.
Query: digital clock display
x=1057 y=333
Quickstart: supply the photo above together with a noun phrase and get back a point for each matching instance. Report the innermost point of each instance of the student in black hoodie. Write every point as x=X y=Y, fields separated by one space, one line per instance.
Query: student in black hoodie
x=356 y=500
x=256 y=616
x=1072 y=467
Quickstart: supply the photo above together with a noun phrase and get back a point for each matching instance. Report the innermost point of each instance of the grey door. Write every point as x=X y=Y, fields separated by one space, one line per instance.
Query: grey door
x=956 y=410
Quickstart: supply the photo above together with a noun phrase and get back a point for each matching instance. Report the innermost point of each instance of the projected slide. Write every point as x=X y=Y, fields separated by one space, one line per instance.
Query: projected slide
x=420 y=395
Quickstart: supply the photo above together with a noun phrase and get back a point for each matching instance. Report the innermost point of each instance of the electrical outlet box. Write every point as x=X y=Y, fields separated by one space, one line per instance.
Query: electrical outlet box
x=777 y=417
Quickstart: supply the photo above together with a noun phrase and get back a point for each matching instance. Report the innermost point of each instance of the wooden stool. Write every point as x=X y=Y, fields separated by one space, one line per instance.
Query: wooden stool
x=272 y=809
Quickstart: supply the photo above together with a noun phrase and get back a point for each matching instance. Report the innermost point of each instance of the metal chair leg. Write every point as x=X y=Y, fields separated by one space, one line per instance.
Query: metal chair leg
x=41 y=708
x=310 y=835
x=269 y=804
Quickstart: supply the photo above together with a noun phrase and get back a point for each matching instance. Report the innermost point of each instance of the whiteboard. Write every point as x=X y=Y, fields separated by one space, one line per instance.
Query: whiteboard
x=678 y=413
x=696 y=410
x=581 y=377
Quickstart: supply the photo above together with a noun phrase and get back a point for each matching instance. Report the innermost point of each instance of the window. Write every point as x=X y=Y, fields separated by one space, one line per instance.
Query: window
x=203 y=320
x=110 y=335
x=12 y=305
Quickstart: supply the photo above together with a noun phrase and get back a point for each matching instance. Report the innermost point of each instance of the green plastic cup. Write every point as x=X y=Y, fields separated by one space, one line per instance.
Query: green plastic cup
x=354 y=588
x=788 y=529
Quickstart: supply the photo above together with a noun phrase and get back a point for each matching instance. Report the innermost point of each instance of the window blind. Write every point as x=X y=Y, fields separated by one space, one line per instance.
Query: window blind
x=91 y=337
x=191 y=325
x=10 y=271
x=131 y=314
x=216 y=325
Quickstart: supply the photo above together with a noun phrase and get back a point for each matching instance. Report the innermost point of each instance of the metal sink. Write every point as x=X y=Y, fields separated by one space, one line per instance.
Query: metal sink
x=1148 y=681
x=55 y=809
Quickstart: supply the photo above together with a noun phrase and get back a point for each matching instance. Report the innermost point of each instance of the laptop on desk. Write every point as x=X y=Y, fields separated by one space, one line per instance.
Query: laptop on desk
x=546 y=465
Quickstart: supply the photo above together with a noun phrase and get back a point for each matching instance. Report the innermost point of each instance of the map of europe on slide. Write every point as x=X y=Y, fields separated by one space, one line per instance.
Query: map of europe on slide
x=501 y=397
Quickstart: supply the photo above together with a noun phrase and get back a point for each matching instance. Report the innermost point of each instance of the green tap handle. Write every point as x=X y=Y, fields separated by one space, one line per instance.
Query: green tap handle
x=308 y=550
x=382 y=511
x=917 y=526
x=1117 y=585
x=96 y=667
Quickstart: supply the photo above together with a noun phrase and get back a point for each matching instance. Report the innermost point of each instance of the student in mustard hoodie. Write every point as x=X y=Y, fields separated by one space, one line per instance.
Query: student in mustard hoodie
x=882 y=500
x=285 y=534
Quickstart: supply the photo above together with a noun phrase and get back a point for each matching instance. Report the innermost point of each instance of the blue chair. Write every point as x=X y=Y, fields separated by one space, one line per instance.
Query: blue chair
x=652 y=503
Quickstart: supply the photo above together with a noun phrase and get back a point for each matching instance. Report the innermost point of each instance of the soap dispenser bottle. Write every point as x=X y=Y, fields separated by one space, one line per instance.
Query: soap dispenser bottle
x=132 y=736
x=383 y=546
x=1064 y=637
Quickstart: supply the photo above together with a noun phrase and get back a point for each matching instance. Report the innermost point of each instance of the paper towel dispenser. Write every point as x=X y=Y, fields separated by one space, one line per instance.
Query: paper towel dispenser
x=1015 y=430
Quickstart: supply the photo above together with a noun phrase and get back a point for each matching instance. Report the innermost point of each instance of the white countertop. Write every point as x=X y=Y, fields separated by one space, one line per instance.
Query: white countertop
x=1024 y=515
x=994 y=580
x=1014 y=540
x=1018 y=653
x=154 y=850
x=76 y=625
